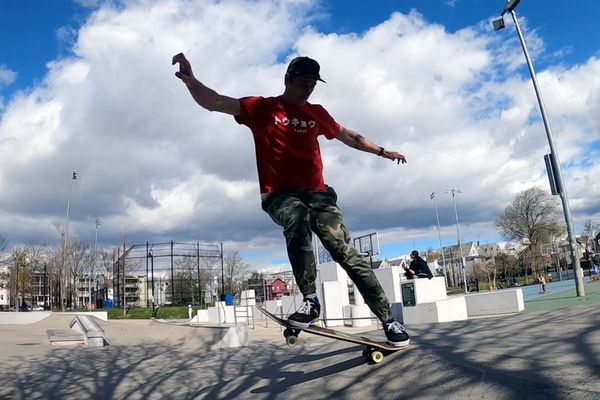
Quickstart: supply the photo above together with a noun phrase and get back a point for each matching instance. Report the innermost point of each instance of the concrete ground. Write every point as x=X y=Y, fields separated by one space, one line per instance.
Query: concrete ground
x=551 y=351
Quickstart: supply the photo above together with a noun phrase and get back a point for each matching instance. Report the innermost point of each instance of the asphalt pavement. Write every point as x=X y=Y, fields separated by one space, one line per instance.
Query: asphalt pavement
x=549 y=351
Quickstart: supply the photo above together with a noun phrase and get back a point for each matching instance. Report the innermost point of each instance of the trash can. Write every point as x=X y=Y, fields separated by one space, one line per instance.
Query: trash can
x=228 y=299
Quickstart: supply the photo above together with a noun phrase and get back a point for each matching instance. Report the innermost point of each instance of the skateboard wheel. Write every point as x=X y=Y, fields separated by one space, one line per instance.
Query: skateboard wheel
x=377 y=356
x=291 y=340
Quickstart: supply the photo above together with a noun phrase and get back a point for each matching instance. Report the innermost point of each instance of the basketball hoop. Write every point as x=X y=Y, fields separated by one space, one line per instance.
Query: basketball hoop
x=367 y=245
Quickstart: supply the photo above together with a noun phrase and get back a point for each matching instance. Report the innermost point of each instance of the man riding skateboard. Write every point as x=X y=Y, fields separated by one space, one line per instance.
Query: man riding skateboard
x=293 y=192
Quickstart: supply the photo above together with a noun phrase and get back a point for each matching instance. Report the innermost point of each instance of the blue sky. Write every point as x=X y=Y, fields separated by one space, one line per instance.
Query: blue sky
x=35 y=32
x=88 y=86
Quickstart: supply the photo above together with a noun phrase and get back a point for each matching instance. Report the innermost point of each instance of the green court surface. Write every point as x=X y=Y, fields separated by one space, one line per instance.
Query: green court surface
x=564 y=299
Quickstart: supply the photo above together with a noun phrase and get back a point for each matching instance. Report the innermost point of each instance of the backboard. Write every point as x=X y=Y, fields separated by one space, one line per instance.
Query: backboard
x=367 y=245
x=548 y=249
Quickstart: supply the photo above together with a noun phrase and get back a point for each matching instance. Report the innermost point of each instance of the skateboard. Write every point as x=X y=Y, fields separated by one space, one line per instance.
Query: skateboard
x=374 y=350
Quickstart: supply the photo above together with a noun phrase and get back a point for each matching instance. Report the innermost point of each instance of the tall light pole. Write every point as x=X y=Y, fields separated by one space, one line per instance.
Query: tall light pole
x=73 y=179
x=66 y=238
x=93 y=266
x=556 y=176
x=437 y=218
x=462 y=257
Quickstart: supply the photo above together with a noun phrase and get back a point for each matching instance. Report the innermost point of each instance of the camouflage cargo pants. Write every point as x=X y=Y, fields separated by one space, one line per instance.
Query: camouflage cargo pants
x=301 y=213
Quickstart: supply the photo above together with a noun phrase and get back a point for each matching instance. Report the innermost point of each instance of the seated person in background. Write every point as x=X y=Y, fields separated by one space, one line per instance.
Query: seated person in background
x=418 y=267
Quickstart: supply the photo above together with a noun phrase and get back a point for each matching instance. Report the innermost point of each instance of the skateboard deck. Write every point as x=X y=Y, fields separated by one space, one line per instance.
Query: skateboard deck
x=374 y=350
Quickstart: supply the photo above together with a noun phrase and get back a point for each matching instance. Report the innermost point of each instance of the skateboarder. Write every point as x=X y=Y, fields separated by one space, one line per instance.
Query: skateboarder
x=293 y=192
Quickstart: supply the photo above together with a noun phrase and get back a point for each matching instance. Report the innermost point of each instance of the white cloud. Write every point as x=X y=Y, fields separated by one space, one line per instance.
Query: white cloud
x=86 y=3
x=154 y=165
x=7 y=76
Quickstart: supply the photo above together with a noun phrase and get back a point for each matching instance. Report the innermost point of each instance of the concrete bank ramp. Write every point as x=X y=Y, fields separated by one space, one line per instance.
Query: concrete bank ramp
x=183 y=336
x=41 y=327
x=45 y=317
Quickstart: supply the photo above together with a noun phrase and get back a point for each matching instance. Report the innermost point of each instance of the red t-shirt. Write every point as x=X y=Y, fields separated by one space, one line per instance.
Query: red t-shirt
x=285 y=138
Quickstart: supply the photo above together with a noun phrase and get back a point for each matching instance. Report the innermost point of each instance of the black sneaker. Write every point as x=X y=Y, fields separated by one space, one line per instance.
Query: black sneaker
x=308 y=313
x=395 y=333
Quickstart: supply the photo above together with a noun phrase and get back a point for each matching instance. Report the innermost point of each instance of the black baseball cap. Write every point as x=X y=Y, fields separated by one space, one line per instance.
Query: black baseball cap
x=305 y=66
x=414 y=253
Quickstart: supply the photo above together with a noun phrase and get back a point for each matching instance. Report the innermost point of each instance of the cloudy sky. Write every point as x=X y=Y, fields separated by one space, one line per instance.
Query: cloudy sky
x=88 y=85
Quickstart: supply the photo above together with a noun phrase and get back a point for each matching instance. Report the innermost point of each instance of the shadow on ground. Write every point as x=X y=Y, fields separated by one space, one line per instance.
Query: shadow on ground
x=552 y=355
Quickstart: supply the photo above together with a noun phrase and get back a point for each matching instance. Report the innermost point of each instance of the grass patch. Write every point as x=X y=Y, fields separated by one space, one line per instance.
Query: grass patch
x=166 y=312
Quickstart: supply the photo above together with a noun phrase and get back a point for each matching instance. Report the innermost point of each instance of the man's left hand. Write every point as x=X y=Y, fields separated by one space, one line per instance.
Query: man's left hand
x=394 y=156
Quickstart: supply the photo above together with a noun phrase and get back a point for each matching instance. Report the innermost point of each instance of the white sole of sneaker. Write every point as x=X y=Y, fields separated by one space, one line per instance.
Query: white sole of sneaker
x=399 y=344
x=299 y=325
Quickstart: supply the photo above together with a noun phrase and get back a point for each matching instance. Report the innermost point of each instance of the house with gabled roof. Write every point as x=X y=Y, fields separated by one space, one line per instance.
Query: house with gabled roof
x=488 y=250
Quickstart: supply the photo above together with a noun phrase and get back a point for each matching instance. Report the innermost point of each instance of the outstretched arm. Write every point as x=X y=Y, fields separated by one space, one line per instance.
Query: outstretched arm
x=203 y=95
x=357 y=141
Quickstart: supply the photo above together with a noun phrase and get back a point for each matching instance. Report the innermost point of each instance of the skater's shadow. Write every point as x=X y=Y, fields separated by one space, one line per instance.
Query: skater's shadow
x=280 y=381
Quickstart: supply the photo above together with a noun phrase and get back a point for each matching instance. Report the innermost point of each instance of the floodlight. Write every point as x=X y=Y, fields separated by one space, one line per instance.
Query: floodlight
x=498 y=23
x=511 y=5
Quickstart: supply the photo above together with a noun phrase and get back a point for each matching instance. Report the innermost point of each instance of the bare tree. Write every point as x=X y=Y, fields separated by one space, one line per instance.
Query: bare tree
x=3 y=246
x=486 y=270
x=21 y=276
x=79 y=260
x=185 y=278
x=532 y=215
x=433 y=254
x=590 y=230
x=209 y=274
x=234 y=266
x=37 y=257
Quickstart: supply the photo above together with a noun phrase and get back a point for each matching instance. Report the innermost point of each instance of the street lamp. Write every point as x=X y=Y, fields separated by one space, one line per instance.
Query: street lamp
x=65 y=244
x=556 y=176
x=437 y=217
x=462 y=257
x=93 y=266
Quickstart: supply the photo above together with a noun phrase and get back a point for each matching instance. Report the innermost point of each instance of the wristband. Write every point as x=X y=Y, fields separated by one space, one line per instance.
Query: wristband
x=381 y=150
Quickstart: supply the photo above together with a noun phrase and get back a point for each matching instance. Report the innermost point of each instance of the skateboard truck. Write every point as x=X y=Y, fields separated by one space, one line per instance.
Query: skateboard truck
x=370 y=353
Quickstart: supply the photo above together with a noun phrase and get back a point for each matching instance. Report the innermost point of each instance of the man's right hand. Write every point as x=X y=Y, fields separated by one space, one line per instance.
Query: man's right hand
x=204 y=96
x=185 y=69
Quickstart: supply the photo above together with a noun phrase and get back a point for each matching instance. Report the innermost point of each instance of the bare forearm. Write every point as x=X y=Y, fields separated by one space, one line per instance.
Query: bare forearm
x=357 y=141
x=203 y=95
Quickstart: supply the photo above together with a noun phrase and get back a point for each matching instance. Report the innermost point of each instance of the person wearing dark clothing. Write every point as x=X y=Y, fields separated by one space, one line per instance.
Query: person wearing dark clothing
x=418 y=267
